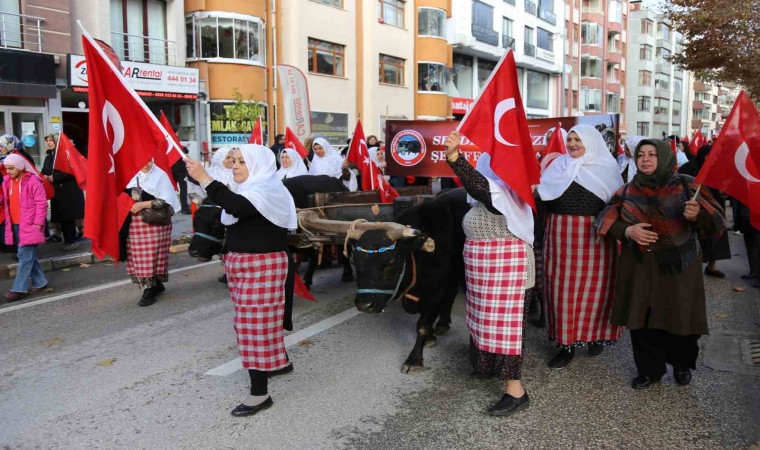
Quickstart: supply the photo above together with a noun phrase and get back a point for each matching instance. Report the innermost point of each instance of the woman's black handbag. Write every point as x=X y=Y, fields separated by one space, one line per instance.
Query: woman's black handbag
x=157 y=215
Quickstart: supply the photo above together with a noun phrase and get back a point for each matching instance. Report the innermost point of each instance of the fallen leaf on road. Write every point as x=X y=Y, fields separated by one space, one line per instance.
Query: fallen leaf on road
x=66 y=269
x=46 y=290
x=740 y=288
x=53 y=341
x=84 y=266
x=304 y=343
x=107 y=362
x=720 y=315
x=108 y=264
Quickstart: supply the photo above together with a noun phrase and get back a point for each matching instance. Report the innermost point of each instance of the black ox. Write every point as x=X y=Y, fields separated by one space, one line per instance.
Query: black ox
x=391 y=265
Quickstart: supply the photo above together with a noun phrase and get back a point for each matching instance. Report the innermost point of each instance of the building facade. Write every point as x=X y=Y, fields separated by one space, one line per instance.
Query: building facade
x=708 y=106
x=657 y=89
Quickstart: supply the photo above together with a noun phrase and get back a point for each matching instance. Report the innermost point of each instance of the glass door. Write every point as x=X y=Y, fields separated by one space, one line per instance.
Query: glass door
x=28 y=127
x=2 y=123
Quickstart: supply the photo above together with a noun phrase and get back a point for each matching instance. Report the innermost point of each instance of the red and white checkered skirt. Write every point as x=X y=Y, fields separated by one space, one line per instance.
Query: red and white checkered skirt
x=496 y=271
x=257 y=286
x=148 y=252
x=579 y=281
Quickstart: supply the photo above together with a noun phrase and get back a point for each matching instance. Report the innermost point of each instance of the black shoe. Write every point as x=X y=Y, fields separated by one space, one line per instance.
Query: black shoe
x=148 y=298
x=159 y=288
x=642 y=382
x=222 y=279
x=285 y=370
x=749 y=276
x=595 y=350
x=682 y=375
x=243 y=410
x=715 y=273
x=562 y=359
x=509 y=405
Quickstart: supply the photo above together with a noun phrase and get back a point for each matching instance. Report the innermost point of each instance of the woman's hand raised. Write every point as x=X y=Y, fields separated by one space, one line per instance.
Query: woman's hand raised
x=195 y=170
x=452 y=143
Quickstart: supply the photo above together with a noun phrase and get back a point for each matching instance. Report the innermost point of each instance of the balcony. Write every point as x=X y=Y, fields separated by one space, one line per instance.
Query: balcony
x=697 y=104
x=131 y=47
x=507 y=41
x=530 y=50
x=530 y=7
x=546 y=15
x=702 y=87
x=21 y=32
x=697 y=123
x=663 y=67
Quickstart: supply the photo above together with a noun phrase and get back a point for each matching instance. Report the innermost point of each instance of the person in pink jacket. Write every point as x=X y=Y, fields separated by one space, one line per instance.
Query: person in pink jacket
x=26 y=210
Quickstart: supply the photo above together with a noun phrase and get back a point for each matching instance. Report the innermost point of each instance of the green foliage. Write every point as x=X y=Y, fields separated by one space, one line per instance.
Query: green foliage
x=242 y=113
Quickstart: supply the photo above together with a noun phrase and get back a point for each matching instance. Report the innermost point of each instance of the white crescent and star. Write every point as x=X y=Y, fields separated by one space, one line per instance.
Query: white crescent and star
x=740 y=160
x=502 y=108
x=111 y=115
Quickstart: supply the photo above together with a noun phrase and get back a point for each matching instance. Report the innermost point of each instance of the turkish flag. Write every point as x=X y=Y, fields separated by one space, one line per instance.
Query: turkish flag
x=496 y=123
x=696 y=142
x=257 y=135
x=69 y=160
x=291 y=141
x=163 y=156
x=372 y=177
x=554 y=148
x=301 y=290
x=733 y=165
x=171 y=156
x=124 y=136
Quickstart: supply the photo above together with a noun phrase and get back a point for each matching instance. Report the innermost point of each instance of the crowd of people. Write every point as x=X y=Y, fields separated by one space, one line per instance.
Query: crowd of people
x=614 y=245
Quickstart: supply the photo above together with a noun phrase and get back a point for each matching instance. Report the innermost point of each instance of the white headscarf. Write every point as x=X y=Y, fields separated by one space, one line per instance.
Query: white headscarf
x=217 y=171
x=331 y=164
x=625 y=161
x=263 y=189
x=596 y=170
x=518 y=213
x=297 y=167
x=156 y=183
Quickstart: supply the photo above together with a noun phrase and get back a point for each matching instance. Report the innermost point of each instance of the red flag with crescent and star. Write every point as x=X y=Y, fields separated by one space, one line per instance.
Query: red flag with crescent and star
x=733 y=165
x=496 y=122
x=696 y=142
x=372 y=177
x=124 y=136
x=554 y=148
x=69 y=160
x=291 y=141
x=257 y=134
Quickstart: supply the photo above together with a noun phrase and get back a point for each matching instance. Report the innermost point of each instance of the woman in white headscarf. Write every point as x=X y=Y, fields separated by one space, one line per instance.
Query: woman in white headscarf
x=499 y=266
x=578 y=269
x=258 y=212
x=327 y=161
x=625 y=161
x=145 y=246
x=291 y=164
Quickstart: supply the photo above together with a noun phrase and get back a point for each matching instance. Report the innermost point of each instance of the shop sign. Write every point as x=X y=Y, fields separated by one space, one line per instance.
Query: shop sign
x=331 y=126
x=416 y=146
x=226 y=132
x=460 y=105
x=149 y=80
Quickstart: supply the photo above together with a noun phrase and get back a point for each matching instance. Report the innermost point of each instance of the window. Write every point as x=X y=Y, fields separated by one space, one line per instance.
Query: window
x=482 y=23
x=661 y=105
x=591 y=99
x=642 y=128
x=530 y=48
x=431 y=22
x=677 y=86
x=663 y=32
x=645 y=78
x=391 y=11
x=661 y=81
x=545 y=40
x=538 y=90
x=613 y=103
x=336 y=3
x=663 y=52
x=647 y=27
x=613 y=73
x=432 y=77
x=463 y=74
x=391 y=70
x=613 y=43
x=11 y=24
x=507 y=39
x=676 y=111
x=645 y=52
x=225 y=35
x=591 y=34
x=575 y=99
x=591 y=67
x=645 y=103
x=326 y=58
x=485 y=68
x=615 y=11
x=546 y=11
x=697 y=113
x=138 y=31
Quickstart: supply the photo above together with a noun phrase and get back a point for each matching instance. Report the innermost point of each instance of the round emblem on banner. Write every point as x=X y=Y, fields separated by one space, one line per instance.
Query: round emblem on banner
x=29 y=140
x=408 y=148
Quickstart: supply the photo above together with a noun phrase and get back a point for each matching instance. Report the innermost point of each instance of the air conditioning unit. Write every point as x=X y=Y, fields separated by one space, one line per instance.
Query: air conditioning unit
x=186 y=116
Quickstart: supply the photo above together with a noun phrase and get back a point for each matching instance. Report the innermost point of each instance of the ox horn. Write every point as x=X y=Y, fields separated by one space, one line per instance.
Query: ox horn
x=354 y=234
x=397 y=233
x=428 y=246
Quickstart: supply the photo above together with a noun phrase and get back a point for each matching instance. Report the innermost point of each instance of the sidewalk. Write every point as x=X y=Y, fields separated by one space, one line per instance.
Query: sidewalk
x=52 y=257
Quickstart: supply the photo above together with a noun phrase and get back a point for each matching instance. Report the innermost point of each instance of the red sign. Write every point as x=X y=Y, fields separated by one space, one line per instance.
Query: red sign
x=460 y=105
x=416 y=146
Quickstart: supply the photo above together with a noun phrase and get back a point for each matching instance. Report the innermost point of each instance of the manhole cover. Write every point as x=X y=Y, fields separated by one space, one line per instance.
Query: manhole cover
x=751 y=351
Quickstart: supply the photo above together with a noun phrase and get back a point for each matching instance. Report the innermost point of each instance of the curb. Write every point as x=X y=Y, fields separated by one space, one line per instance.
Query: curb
x=8 y=271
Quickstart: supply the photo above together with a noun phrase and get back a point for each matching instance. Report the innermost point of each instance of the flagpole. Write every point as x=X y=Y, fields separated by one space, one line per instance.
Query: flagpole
x=699 y=188
x=55 y=155
x=129 y=88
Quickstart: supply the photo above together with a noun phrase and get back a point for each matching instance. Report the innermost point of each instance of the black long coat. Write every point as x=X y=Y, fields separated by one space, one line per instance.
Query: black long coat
x=68 y=203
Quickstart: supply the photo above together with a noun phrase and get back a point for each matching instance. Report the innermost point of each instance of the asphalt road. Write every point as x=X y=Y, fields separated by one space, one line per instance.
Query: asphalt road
x=91 y=369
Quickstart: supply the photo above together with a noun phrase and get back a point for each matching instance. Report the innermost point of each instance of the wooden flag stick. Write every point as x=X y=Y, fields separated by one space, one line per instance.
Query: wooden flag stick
x=696 y=194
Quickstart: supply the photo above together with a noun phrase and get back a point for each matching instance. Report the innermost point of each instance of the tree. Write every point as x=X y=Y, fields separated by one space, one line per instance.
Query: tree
x=721 y=39
x=242 y=113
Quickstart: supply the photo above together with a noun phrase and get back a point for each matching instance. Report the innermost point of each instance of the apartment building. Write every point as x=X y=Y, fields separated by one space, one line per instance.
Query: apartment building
x=708 y=105
x=481 y=31
x=595 y=57
x=657 y=89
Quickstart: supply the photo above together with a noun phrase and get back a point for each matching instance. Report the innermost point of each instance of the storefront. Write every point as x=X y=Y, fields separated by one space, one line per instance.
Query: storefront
x=231 y=123
x=171 y=89
x=27 y=85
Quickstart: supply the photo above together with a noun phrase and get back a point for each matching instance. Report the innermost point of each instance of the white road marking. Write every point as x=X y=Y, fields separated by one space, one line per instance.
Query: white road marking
x=290 y=340
x=93 y=289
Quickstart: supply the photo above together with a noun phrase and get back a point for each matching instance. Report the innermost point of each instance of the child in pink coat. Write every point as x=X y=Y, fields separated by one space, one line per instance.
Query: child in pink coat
x=26 y=210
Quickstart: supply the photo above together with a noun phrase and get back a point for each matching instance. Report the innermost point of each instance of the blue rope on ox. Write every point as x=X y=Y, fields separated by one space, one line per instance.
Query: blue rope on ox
x=206 y=236
x=386 y=291
x=379 y=250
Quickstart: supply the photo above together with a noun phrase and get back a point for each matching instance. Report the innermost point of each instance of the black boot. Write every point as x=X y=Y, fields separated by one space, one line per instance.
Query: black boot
x=148 y=297
x=222 y=279
x=595 y=350
x=643 y=382
x=562 y=359
x=682 y=375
